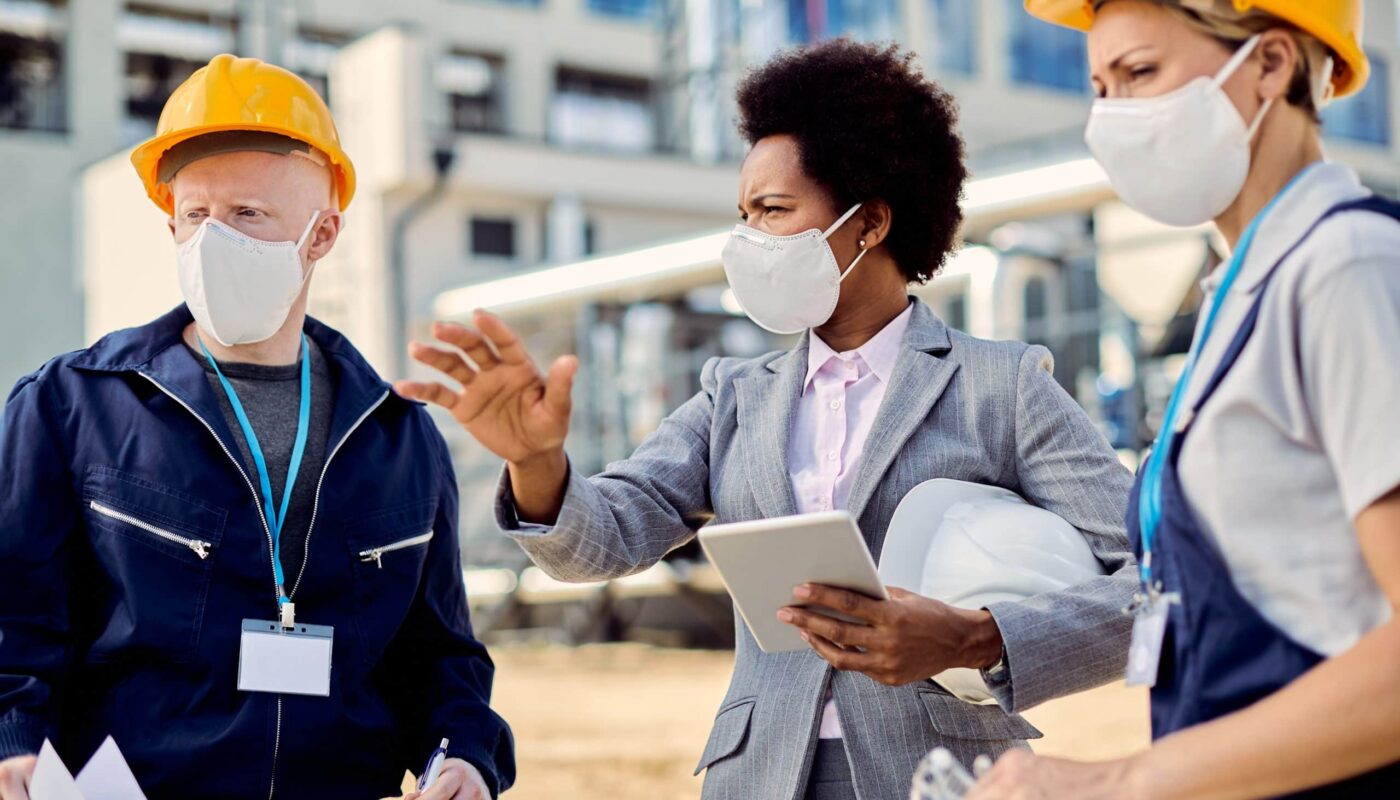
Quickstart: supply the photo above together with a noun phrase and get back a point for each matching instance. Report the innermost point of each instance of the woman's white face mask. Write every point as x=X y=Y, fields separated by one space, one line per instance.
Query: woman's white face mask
x=240 y=289
x=1181 y=158
x=786 y=284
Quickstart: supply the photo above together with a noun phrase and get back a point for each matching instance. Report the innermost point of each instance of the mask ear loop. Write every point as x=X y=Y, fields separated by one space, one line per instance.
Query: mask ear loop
x=853 y=265
x=310 y=268
x=835 y=226
x=1258 y=120
x=310 y=226
x=1323 y=87
x=1236 y=60
x=1229 y=70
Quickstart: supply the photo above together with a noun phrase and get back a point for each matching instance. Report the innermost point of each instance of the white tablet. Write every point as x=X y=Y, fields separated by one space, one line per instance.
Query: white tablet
x=763 y=560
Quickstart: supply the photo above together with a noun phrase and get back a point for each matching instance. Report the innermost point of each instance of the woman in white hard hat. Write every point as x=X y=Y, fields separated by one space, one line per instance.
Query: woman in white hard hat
x=1267 y=517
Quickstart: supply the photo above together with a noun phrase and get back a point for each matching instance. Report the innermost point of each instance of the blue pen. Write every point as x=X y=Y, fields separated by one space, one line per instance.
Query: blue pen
x=434 y=767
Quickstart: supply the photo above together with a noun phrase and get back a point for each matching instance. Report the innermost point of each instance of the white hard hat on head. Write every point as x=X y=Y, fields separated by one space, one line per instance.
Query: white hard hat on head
x=970 y=545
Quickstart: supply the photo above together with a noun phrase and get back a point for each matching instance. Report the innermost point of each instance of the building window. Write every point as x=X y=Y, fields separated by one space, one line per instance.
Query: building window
x=163 y=49
x=473 y=85
x=1365 y=116
x=628 y=9
x=1045 y=55
x=602 y=111
x=493 y=237
x=1033 y=298
x=311 y=53
x=32 y=93
x=955 y=312
x=867 y=20
x=954 y=35
x=150 y=79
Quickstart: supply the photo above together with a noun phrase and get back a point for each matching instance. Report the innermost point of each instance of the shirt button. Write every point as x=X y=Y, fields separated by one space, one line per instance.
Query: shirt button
x=835 y=405
x=831 y=456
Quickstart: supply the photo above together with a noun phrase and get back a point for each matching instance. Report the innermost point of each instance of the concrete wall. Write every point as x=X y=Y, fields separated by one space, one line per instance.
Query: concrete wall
x=41 y=295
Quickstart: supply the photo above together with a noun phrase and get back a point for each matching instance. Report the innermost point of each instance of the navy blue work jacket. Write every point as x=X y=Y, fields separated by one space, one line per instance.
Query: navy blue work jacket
x=132 y=548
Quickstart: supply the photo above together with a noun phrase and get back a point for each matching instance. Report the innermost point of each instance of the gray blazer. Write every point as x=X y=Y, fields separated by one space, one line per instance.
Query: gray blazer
x=957 y=407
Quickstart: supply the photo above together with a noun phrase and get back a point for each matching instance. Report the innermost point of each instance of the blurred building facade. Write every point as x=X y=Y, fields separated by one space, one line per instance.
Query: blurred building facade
x=497 y=137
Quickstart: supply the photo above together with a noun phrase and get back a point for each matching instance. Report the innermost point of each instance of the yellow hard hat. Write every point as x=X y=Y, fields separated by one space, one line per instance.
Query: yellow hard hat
x=1335 y=23
x=242 y=94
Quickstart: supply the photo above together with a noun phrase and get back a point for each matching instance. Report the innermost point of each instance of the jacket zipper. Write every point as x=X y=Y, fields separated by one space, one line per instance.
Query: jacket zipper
x=316 y=500
x=376 y=554
x=305 y=557
x=277 y=737
x=200 y=548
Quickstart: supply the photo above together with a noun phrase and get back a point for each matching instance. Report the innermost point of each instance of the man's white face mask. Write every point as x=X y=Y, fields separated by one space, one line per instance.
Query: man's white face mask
x=240 y=289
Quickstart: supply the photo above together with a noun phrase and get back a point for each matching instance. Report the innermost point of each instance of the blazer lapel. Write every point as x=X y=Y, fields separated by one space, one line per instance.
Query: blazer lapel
x=767 y=403
x=920 y=376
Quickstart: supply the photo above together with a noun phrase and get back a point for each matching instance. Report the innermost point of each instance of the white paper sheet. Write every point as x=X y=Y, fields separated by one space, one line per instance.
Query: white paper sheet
x=52 y=780
x=106 y=777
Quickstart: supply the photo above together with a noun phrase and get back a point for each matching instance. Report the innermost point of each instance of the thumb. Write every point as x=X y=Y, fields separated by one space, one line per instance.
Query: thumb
x=559 y=384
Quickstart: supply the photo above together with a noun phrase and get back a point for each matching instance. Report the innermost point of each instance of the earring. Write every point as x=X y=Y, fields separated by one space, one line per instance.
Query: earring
x=862 y=244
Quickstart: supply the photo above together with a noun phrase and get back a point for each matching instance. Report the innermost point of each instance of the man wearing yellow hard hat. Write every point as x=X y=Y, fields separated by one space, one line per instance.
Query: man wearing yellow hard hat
x=224 y=540
x=1267 y=518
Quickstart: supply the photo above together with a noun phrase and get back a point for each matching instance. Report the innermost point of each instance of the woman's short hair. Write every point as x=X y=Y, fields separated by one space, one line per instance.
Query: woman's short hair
x=868 y=126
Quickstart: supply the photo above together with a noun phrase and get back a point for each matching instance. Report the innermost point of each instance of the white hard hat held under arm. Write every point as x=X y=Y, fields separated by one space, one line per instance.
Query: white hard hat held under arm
x=970 y=545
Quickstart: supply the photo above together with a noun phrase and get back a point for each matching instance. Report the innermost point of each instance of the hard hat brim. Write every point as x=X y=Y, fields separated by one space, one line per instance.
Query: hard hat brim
x=146 y=159
x=1354 y=68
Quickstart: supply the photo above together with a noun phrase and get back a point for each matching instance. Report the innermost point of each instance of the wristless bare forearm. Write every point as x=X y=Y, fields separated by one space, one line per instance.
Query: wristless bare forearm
x=538 y=484
x=1339 y=720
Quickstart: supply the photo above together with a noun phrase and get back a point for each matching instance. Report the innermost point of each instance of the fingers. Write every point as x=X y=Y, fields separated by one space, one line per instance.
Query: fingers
x=14 y=777
x=468 y=341
x=448 y=362
x=507 y=344
x=434 y=393
x=838 y=657
x=832 y=630
x=449 y=781
x=558 y=386
x=852 y=604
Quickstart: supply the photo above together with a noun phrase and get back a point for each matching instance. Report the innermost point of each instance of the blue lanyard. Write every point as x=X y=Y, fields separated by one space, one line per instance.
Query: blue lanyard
x=1150 y=492
x=274 y=519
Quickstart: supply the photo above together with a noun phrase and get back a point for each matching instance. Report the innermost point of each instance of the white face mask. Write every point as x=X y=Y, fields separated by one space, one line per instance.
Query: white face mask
x=786 y=284
x=1181 y=158
x=238 y=288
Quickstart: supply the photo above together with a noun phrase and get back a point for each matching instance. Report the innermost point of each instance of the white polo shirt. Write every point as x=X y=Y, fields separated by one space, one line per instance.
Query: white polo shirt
x=1304 y=433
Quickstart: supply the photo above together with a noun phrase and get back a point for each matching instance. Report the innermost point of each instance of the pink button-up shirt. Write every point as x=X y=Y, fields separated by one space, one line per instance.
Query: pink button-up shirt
x=840 y=397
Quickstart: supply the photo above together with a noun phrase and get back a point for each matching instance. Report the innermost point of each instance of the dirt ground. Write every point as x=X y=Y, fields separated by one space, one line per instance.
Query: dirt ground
x=628 y=722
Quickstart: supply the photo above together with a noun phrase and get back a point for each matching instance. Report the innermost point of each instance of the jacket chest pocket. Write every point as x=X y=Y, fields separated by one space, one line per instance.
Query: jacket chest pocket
x=157 y=548
x=389 y=550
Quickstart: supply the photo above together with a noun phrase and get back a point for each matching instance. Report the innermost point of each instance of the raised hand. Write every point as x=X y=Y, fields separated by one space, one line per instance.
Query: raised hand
x=505 y=402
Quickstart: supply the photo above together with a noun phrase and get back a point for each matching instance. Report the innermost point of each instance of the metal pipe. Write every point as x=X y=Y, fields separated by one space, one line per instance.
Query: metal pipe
x=398 y=278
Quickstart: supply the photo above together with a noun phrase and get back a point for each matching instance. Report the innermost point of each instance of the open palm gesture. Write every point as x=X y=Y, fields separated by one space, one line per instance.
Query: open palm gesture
x=505 y=402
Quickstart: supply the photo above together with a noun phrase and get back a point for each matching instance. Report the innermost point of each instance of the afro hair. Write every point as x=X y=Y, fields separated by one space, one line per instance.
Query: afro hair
x=868 y=126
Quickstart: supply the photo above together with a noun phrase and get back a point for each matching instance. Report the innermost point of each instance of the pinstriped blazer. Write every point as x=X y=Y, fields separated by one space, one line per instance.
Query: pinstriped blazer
x=957 y=407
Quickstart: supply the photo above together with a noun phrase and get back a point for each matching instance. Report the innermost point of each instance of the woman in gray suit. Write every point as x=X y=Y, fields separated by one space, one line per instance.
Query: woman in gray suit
x=850 y=193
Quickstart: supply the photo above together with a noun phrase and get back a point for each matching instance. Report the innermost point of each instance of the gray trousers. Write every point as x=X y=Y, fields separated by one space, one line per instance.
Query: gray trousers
x=830 y=778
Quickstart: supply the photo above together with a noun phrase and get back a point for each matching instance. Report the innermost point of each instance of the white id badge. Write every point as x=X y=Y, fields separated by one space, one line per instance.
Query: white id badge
x=1149 y=629
x=293 y=660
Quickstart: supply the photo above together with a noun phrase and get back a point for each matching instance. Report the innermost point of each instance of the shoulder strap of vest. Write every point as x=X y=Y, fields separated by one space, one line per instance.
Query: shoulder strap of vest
x=1372 y=203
